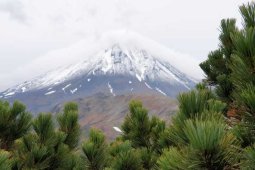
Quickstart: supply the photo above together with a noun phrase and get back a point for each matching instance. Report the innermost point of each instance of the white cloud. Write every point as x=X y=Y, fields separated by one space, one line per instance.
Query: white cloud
x=14 y=8
x=32 y=28
x=89 y=48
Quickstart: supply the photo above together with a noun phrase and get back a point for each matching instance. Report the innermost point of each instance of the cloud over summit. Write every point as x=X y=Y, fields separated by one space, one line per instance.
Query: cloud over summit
x=30 y=29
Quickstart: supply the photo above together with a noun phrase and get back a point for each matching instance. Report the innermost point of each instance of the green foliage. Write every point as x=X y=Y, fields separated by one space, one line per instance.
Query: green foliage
x=247 y=98
x=68 y=122
x=248 y=14
x=5 y=162
x=136 y=126
x=30 y=154
x=139 y=129
x=227 y=29
x=95 y=150
x=238 y=50
x=200 y=136
x=157 y=130
x=173 y=158
x=45 y=147
x=15 y=122
x=44 y=128
x=143 y=133
x=243 y=75
x=119 y=146
x=249 y=158
x=243 y=63
x=42 y=149
x=216 y=67
x=245 y=130
x=194 y=104
x=123 y=156
x=209 y=146
x=240 y=81
x=127 y=160
x=148 y=158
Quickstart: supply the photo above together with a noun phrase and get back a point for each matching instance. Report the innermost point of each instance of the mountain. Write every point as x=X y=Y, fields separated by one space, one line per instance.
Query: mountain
x=124 y=66
x=117 y=71
x=102 y=83
x=105 y=111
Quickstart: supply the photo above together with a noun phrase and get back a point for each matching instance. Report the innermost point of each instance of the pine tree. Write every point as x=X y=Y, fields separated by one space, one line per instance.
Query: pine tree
x=216 y=67
x=37 y=150
x=143 y=133
x=68 y=122
x=244 y=82
x=45 y=147
x=242 y=79
x=95 y=151
x=15 y=122
x=136 y=126
x=199 y=135
x=5 y=162
x=249 y=158
x=124 y=157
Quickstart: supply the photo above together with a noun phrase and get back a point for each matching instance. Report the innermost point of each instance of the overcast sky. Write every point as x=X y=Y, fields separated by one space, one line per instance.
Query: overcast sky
x=30 y=29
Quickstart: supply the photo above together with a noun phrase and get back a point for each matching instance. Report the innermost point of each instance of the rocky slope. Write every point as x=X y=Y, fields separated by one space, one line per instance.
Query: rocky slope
x=107 y=112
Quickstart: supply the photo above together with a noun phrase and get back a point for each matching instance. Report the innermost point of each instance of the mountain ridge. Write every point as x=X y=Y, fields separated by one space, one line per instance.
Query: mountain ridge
x=120 y=69
x=118 y=62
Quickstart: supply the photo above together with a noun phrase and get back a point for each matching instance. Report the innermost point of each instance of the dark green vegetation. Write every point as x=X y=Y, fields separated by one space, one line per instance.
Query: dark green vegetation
x=214 y=128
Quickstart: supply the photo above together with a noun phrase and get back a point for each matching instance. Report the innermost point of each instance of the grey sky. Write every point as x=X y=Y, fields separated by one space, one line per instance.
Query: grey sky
x=32 y=28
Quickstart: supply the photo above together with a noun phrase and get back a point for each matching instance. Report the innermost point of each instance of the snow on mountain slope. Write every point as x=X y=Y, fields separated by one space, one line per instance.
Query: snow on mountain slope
x=125 y=63
x=112 y=61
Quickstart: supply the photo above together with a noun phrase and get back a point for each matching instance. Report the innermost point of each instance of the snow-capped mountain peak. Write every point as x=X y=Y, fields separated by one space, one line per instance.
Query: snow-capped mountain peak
x=115 y=60
x=120 y=68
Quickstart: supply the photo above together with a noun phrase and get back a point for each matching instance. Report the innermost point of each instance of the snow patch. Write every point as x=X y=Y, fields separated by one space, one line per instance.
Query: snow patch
x=124 y=53
x=50 y=92
x=160 y=91
x=73 y=91
x=132 y=89
x=138 y=77
x=148 y=85
x=57 y=82
x=64 y=88
x=111 y=90
x=117 y=129
x=9 y=94
x=49 y=88
x=185 y=85
x=23 y=89
x=1 y=97
x=80 y=86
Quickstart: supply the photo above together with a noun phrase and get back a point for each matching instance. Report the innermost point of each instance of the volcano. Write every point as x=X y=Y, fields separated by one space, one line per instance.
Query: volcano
x=125 y=66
